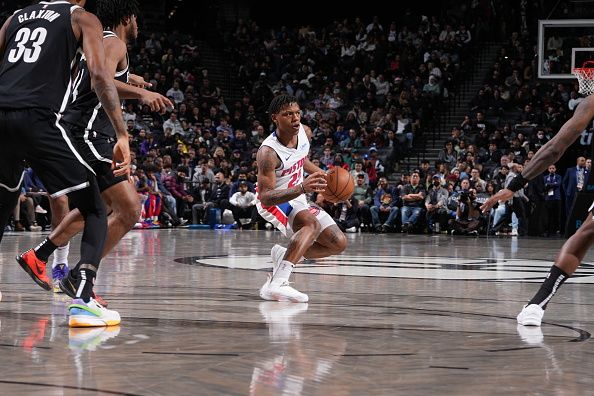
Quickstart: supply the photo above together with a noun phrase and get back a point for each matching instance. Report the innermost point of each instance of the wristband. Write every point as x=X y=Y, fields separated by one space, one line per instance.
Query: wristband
x=303 y=189
x=517 y=183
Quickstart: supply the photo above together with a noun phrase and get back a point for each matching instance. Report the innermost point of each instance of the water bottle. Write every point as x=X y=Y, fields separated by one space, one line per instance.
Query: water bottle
x=436 y=227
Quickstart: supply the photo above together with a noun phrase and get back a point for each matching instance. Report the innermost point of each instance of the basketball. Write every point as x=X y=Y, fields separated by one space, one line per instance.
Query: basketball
x=340 y=185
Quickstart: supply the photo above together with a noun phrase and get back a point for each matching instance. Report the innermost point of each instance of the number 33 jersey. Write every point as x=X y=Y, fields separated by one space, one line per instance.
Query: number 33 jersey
x=290 y=172
x=40 y=52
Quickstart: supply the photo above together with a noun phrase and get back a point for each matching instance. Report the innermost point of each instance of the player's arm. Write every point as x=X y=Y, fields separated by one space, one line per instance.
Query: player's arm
x=3 y=36
x=309 y=166
x=552 y=151
x=268 y=161
x=115 y=53
x=157 y=102
x=138 y=81
x=549 y=153
x=269 y=196
x=102 y=81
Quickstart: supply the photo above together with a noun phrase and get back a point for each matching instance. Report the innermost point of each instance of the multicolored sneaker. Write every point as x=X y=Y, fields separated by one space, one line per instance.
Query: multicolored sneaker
x=59 y=272
x=91 y=314
x=69 y=285
x=35 y=268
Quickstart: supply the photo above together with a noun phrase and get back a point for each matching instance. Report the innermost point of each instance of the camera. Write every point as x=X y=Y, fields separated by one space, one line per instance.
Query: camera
x=464 y=196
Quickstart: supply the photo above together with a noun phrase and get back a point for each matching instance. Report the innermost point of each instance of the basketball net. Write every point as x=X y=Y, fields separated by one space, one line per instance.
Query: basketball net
x=585 y=76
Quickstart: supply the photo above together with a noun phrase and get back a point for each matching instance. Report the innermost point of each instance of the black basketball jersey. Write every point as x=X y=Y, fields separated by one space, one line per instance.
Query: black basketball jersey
x=40 y=51
x=84 y=109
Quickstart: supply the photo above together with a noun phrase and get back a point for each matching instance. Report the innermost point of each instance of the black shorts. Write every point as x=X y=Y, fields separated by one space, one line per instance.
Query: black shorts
x=97 y=151
x=35 y=135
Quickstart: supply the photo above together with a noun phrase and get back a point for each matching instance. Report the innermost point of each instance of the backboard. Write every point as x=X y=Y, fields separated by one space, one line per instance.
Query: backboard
x=564 y=44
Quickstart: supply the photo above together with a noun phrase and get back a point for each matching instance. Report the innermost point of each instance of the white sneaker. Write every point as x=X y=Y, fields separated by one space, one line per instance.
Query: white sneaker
x=91 y=314
x=531 y=315
x=514 y=232
x=274 y=291
x=40 y=210
x=35 y=228
x=530 y=335
x=280 y=319
x=277 y=253
x=351 y=230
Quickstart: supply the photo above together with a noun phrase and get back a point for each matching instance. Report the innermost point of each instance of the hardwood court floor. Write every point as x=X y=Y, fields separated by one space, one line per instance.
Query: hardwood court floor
x=409 y=315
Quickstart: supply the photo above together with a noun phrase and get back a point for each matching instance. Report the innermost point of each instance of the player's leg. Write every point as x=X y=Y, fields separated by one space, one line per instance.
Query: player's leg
x=307 y=229
x=11 y=168
x=330 y=241
x=571 y=255
x=63 y=171
x=125 y=211
x=60 y=208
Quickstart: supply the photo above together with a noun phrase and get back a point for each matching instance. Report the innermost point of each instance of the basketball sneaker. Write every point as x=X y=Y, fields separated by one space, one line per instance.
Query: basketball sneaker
x=91 y=314
x=59 y=272
x=69 y=285
x=35 y=268
x=280 y=319
x=277 y=253
x=89 y=338
x=531 y=315
x=281 y=291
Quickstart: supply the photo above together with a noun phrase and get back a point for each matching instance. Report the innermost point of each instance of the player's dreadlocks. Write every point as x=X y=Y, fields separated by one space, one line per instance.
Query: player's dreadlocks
x=112 y=13
x=280 y=101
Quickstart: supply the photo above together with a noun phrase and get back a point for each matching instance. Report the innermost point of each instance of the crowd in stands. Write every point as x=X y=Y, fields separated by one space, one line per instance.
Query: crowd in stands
x=367 y=90
x=512 y=116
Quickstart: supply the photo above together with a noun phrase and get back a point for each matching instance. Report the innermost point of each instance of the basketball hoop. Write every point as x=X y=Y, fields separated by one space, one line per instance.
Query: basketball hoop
x=585 y=76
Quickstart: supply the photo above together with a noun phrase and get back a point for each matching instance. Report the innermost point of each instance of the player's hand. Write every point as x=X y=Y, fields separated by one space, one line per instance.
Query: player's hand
x=316 y=182
x=121 y=158
x=157 y=102
x=138 y=81
x=503 y=195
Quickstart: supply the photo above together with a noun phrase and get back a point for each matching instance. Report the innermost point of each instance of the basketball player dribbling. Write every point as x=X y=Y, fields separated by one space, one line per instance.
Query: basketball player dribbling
x=575 y=248
x=94 y=138
x=281 y=200
x=40 y=45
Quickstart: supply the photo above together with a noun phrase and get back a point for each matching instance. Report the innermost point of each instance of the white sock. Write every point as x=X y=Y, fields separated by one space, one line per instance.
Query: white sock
x=283 y=272
x=61 y=255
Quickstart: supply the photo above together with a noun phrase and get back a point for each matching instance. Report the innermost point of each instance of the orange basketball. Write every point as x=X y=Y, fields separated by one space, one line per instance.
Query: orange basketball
x=340 y=185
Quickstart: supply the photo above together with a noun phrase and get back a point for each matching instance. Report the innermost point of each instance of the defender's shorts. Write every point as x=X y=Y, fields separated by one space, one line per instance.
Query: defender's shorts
x=97 y=151
x=36 y=135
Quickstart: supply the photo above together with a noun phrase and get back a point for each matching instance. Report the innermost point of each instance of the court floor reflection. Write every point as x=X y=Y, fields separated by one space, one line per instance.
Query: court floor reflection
x=198 y=327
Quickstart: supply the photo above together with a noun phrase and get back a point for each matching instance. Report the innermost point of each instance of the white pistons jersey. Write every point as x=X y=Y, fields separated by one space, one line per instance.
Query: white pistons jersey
x=290 y=172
